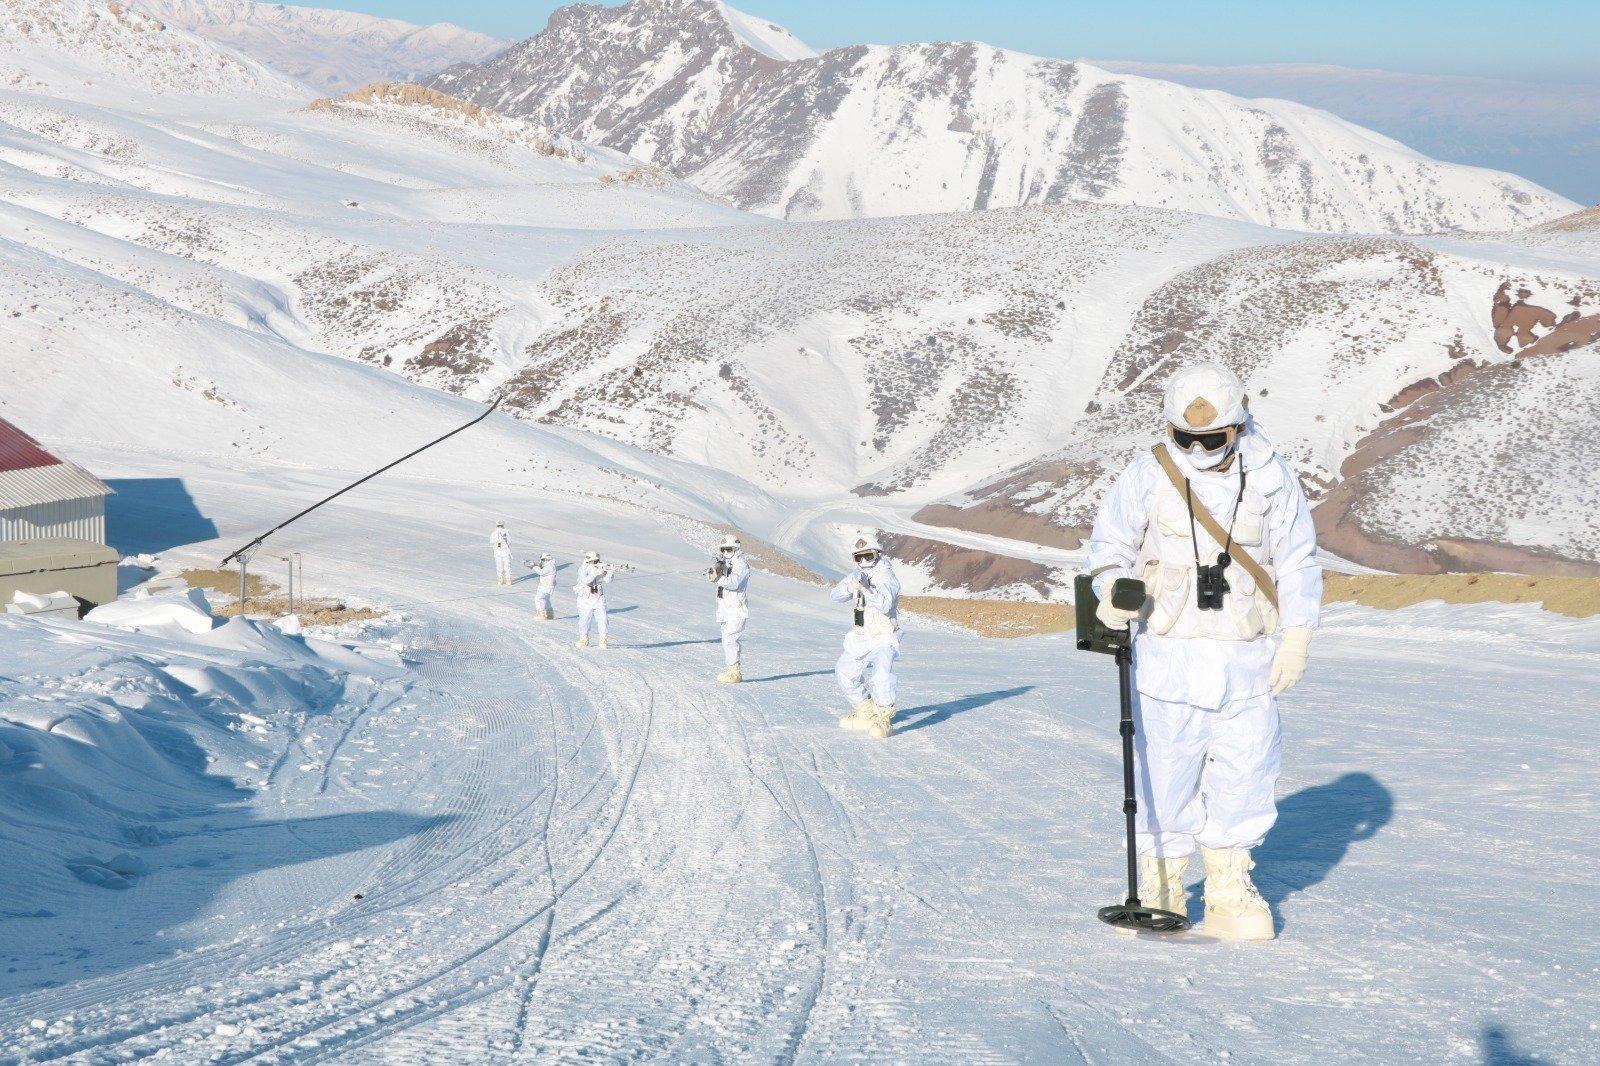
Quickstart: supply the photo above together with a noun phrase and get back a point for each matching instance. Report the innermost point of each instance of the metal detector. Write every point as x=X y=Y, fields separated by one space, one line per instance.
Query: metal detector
x=1093 y=635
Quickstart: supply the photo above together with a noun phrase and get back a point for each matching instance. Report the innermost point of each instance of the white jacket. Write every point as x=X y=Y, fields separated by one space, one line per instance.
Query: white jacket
x=1208 y=658
x=592 y=582
x=501 y=540
x=547 y=576
x=875 y=595
x=732 y=590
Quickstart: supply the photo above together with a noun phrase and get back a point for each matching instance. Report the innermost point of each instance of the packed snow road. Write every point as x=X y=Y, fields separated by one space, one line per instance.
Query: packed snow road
x=604 y=855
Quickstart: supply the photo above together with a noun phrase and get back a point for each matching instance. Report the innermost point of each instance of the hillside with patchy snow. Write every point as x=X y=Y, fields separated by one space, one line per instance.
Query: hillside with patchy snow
x=335 y=51
x=967 y=381
x=100 y=50
x=870 y=131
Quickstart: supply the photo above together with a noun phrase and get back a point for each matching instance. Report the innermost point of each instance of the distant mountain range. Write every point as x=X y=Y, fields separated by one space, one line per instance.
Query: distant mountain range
x=742 y=109
x=1546 y=130
x=333 y=51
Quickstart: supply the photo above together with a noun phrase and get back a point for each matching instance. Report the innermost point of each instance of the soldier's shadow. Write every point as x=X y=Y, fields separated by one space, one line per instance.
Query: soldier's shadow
x=1314 y=831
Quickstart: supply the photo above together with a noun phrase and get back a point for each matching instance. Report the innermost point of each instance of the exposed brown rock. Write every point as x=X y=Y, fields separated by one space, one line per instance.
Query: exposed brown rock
x=994 y=618
x=1578 y=221
x=955 y=567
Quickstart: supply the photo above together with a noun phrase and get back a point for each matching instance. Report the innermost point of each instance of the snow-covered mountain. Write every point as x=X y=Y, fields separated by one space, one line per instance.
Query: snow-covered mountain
x=335 y=51
x=101 y=50
x=964 y=380
x=1545 y=128
x=913 y=361
x=752 y=115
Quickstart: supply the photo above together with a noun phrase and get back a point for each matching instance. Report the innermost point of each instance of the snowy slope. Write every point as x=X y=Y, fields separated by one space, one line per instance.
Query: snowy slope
x=1431 y=393
x=914 y=362
x=506 y=852
x=871 y=131
x=335 y=51
x=968 y=379
x=100 y=50
x=446 y=836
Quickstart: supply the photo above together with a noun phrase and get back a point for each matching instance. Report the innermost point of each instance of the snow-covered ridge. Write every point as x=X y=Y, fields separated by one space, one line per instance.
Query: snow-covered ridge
x=768 y=38
x=102 y=50
x=332 y=50
x=874 y=131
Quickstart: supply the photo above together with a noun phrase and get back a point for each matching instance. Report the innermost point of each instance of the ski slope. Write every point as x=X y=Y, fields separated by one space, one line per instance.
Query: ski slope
x=498 y=848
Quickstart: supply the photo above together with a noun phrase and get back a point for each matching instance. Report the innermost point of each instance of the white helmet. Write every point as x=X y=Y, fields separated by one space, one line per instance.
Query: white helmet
x=1204 y=397
x=730 y=543
x=545 y=557
x=591 y=557
x=1205 y=408
x=866 y=541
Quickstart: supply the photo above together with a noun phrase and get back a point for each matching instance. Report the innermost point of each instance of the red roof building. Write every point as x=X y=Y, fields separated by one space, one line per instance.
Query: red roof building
x=43 y=496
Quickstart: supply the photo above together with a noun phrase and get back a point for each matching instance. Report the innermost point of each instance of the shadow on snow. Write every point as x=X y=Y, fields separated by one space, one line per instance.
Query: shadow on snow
x=149 y=515
x=1315 y=829
x=65 y=921
x=934 y=713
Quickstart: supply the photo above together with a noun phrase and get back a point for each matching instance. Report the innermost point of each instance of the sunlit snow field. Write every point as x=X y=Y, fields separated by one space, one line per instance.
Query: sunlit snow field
x=484 y=843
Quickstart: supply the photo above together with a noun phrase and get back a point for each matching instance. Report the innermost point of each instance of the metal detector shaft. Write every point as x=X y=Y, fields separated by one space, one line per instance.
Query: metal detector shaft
x=1130 y=803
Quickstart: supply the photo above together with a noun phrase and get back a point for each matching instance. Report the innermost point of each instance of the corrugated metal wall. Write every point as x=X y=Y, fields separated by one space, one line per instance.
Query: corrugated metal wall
x=78 y=519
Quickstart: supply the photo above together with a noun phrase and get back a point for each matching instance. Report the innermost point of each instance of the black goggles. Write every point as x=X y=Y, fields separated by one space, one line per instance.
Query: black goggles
x=728 y=551
x=866 y=557
x=1215 y=440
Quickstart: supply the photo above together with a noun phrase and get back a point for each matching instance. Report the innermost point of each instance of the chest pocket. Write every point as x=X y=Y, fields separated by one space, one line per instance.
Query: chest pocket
x=1172 y=516
x=1250 y=526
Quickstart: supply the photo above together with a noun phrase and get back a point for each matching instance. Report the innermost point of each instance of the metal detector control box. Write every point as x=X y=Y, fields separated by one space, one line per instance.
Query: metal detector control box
x=1093 y=635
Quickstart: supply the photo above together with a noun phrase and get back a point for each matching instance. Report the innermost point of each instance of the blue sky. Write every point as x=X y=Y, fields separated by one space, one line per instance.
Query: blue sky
x=1549 y=39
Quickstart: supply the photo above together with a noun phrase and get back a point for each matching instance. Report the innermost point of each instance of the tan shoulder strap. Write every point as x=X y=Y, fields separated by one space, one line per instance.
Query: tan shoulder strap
x=1263 y=579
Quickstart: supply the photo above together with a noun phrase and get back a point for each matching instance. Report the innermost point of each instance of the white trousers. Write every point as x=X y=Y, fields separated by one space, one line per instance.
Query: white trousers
x=544 y=600
x=866 y=669
x=732 y=639
x=1205 y=777
x=592 y=611
x=502 y=566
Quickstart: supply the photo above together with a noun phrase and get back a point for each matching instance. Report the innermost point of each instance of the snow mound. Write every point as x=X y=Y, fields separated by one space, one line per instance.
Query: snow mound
x=110 y=740
x=173 y=614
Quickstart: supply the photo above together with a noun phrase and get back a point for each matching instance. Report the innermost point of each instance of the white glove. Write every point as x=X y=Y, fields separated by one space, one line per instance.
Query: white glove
x=1289 y=665
x=1113 y=617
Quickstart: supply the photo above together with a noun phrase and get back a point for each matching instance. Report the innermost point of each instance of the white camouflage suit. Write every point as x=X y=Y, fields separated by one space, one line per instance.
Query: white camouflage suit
x=1207 y=741
x=872 y=647
x=544 y=596
x=500 y=541
x=590 y=592
x=733 y=607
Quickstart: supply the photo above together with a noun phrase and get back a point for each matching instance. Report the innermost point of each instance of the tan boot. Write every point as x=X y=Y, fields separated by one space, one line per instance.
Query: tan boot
x=1161 y=884
x=859 y=719
x=583 y=641
x=603 y=645
x=1234 y=909
x=731 y=676
x=881 y=727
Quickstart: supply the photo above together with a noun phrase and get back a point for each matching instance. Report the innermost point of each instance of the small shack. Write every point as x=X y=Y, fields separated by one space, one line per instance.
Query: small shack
x=42 y=496
x=52 y=526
